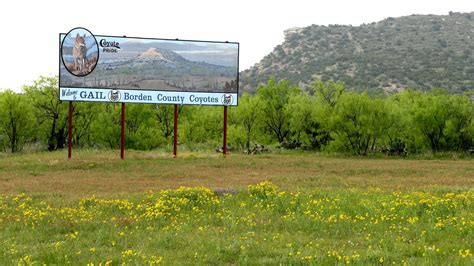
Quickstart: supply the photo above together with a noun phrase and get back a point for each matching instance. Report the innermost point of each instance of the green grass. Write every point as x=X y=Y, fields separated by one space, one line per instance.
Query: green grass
x=324 y=210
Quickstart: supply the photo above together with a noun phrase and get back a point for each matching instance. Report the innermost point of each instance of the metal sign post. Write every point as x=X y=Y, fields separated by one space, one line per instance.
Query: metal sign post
x=122 y=143
x=224 y=149
x=69 y=133
x=175 y=132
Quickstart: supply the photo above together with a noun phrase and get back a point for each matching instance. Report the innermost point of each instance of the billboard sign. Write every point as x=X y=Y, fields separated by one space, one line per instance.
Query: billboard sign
x=104 y=68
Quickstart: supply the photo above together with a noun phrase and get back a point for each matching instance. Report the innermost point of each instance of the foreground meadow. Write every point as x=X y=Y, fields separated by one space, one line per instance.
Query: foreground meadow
x=279 y=208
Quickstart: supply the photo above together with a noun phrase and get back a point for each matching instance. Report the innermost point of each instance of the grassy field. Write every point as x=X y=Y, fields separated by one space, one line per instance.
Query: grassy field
x=290 y=208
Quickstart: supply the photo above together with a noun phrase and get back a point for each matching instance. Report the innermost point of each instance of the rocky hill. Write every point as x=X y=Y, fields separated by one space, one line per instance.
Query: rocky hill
x=417 y=51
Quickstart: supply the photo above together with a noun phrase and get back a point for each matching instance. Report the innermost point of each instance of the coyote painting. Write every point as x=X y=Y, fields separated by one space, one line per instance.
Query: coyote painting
x=79 y=52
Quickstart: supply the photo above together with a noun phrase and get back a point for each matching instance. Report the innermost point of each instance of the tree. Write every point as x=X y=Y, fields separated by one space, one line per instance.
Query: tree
x=400 y=138
x=106 y=128
x=50 y=112
x=299 y=112
x=247 y=114
x=328 y=92
x=83 y=115
x=326 y=96
x=141 y=127
x=15 y=119
x=202 y=124
x=306 y=122
x=444 y=121
x=164 y=115
x=358 y=122
x=274 y=98
x=459 y=129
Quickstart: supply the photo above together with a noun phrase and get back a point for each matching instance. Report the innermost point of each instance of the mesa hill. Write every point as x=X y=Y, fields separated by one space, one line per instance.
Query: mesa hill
x=417 y=51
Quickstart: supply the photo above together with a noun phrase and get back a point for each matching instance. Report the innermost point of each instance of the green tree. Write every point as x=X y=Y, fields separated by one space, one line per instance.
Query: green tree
x=164 y=115
x=201 y=124
x=50 y=112
x=15 y=119
x=317 y=129
x=444 y=121
x=247 y=114
x=141 y=127
x=274 y=99
x=106 y=128
x=358 y=122
x=329 y=92
x=398 y=137
x=326 y=96
x=299 y=112
x=403 y=131
x=460 y=126
x=83 y=116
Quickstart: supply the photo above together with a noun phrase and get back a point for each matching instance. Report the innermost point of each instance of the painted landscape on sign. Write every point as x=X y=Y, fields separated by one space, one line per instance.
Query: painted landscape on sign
x=165 y=65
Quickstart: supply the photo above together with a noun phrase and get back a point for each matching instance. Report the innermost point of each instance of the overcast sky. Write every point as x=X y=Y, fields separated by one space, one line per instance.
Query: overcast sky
x=29 y=45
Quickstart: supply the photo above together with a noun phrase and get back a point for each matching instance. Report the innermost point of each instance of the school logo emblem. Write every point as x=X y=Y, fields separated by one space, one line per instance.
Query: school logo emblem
x=227 y=99
x=115 y=96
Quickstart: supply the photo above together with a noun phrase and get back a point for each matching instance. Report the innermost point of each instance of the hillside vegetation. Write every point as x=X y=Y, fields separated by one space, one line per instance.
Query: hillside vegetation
x=417 y=51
